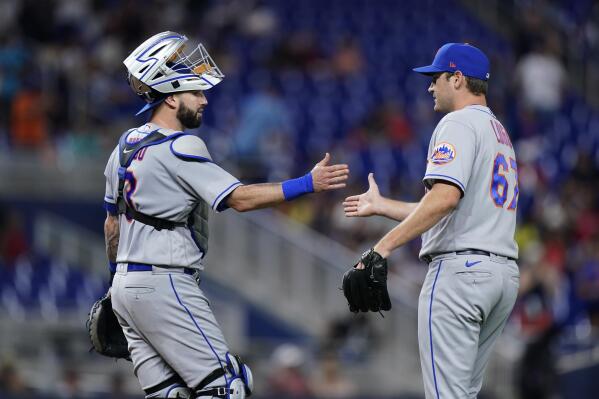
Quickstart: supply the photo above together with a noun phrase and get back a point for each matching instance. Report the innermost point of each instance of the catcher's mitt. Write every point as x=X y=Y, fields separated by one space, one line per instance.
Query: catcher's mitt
x=105 y=331
x=366 y=289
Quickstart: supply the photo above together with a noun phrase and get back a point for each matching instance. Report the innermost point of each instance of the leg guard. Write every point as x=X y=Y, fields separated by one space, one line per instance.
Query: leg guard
x=239 y=381
x=173 y=388
x=241 y=371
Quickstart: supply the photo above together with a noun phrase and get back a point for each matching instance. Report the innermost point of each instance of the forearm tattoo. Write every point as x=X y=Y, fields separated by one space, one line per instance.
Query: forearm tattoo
x=111 y=236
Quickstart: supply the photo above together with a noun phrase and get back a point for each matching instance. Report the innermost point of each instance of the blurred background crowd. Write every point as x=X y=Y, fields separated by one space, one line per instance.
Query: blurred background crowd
x=304 y=78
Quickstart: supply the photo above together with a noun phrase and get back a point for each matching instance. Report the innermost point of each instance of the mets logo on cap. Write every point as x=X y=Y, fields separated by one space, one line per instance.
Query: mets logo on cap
x=442 y=153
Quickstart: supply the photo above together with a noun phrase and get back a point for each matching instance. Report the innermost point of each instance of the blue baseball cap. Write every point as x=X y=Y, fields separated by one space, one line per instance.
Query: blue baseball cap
x=451 y=57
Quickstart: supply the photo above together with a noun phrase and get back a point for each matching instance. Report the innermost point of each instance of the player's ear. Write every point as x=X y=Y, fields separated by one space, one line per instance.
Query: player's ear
x=172 y=101
x=459 y=80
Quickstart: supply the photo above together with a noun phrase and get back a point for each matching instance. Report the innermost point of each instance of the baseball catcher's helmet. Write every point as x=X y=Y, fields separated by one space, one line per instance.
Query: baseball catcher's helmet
x=159 y=66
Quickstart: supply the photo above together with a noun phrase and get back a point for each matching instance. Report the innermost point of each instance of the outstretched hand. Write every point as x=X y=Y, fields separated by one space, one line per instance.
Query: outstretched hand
x=329 y=177
x=366 y=204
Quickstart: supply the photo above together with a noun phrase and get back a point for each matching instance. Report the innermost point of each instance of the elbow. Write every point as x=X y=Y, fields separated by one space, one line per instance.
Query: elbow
x=451 y=203
x=446 y=204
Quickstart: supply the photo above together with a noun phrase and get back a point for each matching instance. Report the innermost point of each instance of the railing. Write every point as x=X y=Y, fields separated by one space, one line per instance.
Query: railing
x=73 y=244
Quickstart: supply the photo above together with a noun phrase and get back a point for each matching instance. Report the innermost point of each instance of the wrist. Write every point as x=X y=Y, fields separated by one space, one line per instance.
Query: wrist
x=294 y=188
x=377 y=208
x=381 y=250
x=112 y=267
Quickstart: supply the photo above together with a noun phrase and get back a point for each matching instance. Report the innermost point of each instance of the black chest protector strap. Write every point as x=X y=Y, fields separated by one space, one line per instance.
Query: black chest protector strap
x=127 y=152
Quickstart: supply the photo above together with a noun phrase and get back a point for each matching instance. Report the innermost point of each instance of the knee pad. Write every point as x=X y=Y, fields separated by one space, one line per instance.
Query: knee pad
x=239 y=381
x=240 y=370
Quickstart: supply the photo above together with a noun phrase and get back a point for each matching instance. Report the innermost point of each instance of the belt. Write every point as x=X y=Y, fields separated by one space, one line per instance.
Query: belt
x=430 y=257
x=143 y=267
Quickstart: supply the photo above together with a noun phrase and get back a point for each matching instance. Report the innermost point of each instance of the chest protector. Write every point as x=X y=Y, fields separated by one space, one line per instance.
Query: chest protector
x=197 y=221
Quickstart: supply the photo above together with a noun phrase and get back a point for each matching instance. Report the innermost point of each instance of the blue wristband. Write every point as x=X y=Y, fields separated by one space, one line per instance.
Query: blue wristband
x=112 y=267
x=294 y=188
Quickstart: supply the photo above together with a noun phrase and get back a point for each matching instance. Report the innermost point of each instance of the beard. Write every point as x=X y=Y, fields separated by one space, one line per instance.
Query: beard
x=189 y=119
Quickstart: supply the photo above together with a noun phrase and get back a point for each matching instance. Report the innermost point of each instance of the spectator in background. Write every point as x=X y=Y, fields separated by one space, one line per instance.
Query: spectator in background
x=352 y=337
x=11 y=383
x=529 y=29
x=299 y=50
x=396 y=125
x=541 y=76
x=540 y=284
x=79 y=144
x=36 y=20
x=287 y=379
x=13 y=241
x=329 y=381
x=263 y=139
x=28 y=123
x=348 y=60
x=70 y=386
x=536 y=375
x=13 y=56
x=587 y=285
x=117 y=387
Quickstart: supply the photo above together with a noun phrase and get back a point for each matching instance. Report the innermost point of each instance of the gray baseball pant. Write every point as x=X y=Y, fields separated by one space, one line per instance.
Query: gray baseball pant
x=169 y=325
x=463 y=307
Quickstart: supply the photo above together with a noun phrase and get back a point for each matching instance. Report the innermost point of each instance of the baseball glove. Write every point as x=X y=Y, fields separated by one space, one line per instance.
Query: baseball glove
x=105 y=331
x=366 y=289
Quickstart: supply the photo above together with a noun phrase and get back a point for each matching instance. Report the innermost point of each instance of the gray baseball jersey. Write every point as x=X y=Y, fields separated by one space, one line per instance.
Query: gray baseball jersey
x=165 y=316
x=466 y=299
x=161 y=184
x=471 y=149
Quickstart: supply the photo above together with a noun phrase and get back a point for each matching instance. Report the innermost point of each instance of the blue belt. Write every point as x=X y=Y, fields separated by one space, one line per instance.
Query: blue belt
x=143 y=267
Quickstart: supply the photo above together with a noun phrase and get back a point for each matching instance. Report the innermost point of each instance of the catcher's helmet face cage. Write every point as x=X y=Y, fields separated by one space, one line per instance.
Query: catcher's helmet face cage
x=159 y=66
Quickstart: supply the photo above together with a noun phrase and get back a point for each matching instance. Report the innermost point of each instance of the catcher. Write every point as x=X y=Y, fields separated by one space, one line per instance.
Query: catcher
x=161 y=184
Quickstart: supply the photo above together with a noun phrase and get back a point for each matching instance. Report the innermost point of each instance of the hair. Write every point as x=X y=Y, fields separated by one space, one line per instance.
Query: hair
x=476 y=86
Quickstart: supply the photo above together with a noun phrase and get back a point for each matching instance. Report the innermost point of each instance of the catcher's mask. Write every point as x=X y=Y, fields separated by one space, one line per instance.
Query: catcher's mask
x=159 y=67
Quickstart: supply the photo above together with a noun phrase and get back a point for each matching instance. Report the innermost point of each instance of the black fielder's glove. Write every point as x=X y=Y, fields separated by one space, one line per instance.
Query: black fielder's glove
x=105 y=331
x=366 y=289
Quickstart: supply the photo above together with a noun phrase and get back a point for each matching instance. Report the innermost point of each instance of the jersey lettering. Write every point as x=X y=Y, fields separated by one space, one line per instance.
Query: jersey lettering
x=500 y=133
x=139 y=156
